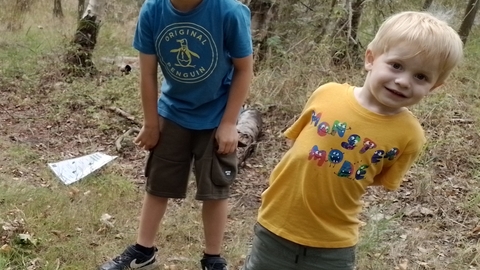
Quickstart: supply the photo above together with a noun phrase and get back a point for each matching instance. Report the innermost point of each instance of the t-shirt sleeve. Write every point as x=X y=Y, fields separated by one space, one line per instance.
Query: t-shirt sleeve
x=238 y=39
x=143 y=40
x=293 y=131
x=391 y=177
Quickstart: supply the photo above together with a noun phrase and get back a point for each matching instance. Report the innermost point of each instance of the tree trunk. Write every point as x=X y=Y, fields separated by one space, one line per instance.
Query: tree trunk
x=263 y=12
x=79 y=57
x=427 y=4
x=325 y=22
x=468 y=20
x=23 y=5
x=249 y=126
x=57 y=8
x=80 y=8
x=15 y=14
x=346 y=52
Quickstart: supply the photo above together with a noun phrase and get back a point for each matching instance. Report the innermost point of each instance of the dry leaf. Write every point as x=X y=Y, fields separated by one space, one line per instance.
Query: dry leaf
x=106 y=220
x=423 y=250
x=424 y=264
x=5 y=249
x=425 y=211
x=8 y=227
x=403 y=264
x=378 y=217
x=57 y=233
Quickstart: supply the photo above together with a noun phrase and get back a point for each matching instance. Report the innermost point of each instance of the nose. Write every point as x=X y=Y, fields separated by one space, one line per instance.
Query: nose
x=403 y=81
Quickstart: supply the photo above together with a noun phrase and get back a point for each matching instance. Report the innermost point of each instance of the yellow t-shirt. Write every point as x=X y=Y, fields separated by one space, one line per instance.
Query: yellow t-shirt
x=340 y=148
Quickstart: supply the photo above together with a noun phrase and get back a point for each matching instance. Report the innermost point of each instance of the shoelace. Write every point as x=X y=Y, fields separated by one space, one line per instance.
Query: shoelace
x=122 y=257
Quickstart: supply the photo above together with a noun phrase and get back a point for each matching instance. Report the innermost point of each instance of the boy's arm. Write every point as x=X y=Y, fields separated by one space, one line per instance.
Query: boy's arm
x=305 y=117
x=227 y=136
x=150 y=132
x=143 y=41
x=149 y=89
x=391 y=177
x=290 y=142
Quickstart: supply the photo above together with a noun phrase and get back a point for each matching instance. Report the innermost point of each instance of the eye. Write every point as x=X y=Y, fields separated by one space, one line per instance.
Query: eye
x=396 y=65
x=421 y=77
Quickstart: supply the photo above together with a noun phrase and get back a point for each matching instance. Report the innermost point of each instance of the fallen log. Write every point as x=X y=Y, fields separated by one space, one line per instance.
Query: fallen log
x=249 y=127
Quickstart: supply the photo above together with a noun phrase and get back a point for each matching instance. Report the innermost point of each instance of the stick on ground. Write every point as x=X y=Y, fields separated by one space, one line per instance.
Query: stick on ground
x=125 y=115
x=118 y=142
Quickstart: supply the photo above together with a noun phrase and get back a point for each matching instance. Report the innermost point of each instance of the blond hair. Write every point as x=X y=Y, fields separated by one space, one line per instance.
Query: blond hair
x=430 y=37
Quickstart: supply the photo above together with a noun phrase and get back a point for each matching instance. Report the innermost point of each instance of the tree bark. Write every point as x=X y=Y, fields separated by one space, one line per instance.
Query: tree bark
x=263 y=12
x=345 y=34
x=79 y=57
x=468 y=20
x=80 y=8
x=249 y=127
x=15 y=14
x=23 y=5
x=325 y=22
x=57 y=8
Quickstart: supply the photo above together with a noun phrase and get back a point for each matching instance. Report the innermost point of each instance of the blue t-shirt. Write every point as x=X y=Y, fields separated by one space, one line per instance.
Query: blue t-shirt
x=195 y=51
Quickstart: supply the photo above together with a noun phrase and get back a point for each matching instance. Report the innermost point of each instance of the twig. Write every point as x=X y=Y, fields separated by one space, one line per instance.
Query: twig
x=58 y=264
x=306 y=6
x=461 y=121
x=126 y=115
x=8 y=113
x=295 y=45
x=118 y=142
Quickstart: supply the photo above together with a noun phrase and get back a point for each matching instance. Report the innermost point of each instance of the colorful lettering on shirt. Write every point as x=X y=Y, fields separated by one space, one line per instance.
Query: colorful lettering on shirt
x=348 y=168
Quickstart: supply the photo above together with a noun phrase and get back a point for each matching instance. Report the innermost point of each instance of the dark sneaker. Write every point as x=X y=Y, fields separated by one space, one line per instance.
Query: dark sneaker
x=214 y=263
x=131 y=258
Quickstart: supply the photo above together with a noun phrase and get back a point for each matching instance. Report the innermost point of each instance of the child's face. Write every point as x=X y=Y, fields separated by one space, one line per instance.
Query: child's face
x=397 y=80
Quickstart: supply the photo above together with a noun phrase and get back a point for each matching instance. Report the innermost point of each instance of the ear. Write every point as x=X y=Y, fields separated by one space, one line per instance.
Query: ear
x=369 y=60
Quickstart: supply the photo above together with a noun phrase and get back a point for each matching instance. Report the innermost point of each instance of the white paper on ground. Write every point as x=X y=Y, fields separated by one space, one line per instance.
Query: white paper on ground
x=72 y=170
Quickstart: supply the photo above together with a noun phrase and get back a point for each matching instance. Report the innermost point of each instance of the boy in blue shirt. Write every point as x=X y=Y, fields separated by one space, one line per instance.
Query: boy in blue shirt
x=204 y=49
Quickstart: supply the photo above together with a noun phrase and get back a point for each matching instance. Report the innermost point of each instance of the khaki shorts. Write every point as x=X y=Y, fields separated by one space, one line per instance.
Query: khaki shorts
x=271 y=252
x=170 y=162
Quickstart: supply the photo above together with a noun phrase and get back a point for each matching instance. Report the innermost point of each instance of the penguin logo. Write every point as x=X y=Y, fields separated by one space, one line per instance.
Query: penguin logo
x=184 y=54
x=187 y=52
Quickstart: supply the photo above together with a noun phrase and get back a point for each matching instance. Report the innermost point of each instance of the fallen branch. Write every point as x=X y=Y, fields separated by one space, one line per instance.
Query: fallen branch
x=129 y=117
x=249 y=126
x=125 y=114
x=118 y=142
x=461 y=121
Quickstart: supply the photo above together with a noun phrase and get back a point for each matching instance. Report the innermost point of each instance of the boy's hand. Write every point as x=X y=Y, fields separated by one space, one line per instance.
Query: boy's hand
x=148 y=136
x=227 y=138
x=290 y=143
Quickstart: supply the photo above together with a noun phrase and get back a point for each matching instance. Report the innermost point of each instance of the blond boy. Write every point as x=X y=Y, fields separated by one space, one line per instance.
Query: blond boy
x=346 y=139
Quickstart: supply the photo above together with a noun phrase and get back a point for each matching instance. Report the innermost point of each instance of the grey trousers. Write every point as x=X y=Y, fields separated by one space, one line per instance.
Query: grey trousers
x=271 y=252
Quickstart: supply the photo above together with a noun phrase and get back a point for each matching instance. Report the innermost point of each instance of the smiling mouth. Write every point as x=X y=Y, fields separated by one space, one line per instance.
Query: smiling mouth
x=396 y=93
